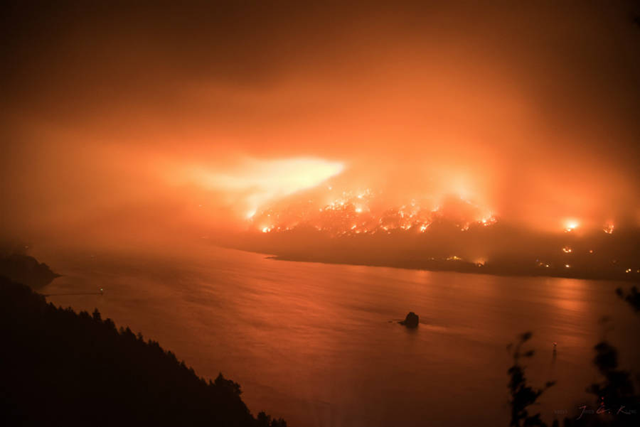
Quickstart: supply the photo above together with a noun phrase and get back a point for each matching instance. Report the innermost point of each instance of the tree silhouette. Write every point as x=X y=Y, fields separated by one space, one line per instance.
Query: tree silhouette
x=61 y=368
x=632 y=298
x=522 y=395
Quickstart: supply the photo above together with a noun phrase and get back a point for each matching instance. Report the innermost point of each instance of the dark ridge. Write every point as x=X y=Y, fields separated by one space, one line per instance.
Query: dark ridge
x=26 y=269
x=61 y=368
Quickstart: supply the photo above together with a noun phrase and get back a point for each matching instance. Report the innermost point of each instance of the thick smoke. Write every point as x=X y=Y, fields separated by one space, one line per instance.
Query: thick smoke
x=108 y=109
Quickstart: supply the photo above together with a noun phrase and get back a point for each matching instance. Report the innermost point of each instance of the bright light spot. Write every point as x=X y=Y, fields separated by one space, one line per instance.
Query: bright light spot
x=266 y=230
x=571 y=225
x=609 y=228
x=359 y=210
x=567 y=266
x=628 y=270
x=251 y=213
x=567 y=250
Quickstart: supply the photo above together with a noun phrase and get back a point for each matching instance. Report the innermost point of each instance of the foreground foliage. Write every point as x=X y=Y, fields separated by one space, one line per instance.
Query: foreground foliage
x=616 y=402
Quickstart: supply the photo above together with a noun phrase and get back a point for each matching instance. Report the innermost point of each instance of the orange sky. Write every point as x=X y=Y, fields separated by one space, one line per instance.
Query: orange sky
x=149 y=120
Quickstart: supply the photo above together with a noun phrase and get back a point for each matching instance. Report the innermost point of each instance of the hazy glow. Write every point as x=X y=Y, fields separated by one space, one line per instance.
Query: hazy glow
x=198 y=121
x=262 y=181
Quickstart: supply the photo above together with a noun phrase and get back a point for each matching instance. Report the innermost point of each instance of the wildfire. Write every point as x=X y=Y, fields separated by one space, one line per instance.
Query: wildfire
x=359 y=212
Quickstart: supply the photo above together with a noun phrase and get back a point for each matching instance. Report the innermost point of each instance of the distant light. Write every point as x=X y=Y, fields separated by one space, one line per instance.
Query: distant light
x=359 y=210
x=266 y=230
x=567 y=250
x=567 y=266
x=609 y=228
x=251 y=213
x=628 y=270
x=590 y=251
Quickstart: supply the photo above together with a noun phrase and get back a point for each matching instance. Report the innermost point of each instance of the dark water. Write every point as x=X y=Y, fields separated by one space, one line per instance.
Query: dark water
x=318 y=344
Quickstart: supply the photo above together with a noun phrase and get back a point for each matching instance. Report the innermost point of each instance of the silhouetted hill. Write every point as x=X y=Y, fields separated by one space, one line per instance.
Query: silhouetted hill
x=26 y=269
x=61 y=368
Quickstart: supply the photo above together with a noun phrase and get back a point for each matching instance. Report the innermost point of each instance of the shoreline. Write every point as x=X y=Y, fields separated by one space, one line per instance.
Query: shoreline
x=467 y=268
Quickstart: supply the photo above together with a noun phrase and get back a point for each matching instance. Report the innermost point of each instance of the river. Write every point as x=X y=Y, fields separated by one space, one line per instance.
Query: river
x=320 y=344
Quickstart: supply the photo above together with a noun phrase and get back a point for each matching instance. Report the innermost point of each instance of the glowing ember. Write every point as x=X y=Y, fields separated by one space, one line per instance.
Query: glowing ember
x=609 y=228
x=567 y=250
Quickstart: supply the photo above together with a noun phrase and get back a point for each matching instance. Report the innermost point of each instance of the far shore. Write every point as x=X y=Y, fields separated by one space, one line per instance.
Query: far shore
x=462 y=267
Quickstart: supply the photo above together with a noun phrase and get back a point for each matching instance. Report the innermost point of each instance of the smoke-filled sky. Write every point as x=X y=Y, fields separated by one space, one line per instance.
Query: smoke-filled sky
x=127 y=119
